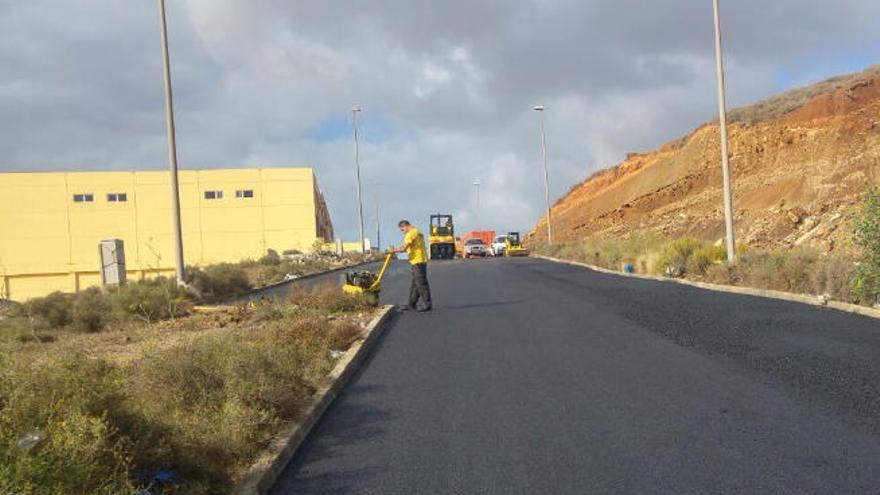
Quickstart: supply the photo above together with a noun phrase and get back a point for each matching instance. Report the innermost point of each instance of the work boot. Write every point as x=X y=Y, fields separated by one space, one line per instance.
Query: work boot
x=424 y=309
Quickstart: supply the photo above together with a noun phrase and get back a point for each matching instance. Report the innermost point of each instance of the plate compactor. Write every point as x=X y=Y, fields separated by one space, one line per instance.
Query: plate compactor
x=366 y=282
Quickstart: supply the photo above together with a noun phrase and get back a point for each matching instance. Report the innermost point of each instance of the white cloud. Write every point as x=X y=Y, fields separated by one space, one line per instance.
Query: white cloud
x=81 y=87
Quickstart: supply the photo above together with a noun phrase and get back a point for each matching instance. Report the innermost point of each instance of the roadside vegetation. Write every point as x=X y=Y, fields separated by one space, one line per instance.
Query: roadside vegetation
x=273 y=268
x=126 y=391
x=851 y=278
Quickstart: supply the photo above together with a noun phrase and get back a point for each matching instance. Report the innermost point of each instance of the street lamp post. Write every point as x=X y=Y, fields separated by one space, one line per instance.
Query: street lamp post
x=725 y=156
x=540 y=108
x=477 y=186
x=357 y=163
x=172 y=152
x=378 y=227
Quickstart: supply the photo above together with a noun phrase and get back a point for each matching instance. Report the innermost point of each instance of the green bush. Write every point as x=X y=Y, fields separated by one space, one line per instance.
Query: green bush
x=678 y=253
x=220 y=281
x=270 y=258
x=866 y=283
x=152 y=300
x=705 y=257
x=70 y=399
x=81 y=454
x=865 y=287
x=91 y=310
x=53 y=311
x=223 y=395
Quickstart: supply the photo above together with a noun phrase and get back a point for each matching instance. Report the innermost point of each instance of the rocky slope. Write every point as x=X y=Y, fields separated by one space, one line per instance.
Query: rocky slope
x=800 y=162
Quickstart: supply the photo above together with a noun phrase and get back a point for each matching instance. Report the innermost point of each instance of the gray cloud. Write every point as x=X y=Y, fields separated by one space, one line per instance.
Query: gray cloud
x=81 y=87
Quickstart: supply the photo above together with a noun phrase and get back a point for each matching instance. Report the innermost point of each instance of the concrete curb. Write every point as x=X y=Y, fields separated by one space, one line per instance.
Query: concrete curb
x=749 y=291
x=256 y=292
x=264 y=472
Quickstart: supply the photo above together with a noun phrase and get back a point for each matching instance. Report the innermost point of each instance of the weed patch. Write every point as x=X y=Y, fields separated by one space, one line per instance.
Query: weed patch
x=202 y=402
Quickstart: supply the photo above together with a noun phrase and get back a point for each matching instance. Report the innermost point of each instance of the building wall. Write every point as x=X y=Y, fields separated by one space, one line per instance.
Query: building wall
x=49 y=242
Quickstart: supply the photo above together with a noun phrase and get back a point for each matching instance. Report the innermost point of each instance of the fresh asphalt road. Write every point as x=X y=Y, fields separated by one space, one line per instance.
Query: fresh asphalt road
x=536 y=377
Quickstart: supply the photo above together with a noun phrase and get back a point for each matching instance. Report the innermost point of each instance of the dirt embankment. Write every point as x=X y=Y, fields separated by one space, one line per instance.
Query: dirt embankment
x=800 y=162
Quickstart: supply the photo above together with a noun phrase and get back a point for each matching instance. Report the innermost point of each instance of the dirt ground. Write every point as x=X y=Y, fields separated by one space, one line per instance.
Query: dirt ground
x=800 y=163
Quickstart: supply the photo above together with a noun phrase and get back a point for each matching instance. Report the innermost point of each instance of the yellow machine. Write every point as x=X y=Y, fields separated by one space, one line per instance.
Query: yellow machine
x=513 y=246
x=441 y=242
x=365 y=282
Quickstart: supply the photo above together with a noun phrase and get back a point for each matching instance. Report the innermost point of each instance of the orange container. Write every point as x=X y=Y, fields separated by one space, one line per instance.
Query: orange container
x=487 y=236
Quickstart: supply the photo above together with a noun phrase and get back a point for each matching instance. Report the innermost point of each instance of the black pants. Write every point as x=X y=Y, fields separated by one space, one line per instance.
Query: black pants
x=419 y=287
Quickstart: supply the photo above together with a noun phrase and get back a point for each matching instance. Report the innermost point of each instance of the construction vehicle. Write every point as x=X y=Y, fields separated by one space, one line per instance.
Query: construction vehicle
x=513 y=245
x=365 y=282
x=441 y=241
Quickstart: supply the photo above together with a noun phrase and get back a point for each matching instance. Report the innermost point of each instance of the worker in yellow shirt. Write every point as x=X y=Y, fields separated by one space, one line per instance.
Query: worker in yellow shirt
x=414 y=246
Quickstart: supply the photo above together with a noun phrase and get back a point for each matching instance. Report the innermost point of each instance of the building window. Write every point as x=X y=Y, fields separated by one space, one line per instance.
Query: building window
x=117 y=197
x=213 y=194
x=83 y=198
x=244 y=193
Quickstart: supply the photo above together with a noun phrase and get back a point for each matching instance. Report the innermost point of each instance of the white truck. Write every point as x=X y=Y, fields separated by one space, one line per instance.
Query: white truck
x=498 y=245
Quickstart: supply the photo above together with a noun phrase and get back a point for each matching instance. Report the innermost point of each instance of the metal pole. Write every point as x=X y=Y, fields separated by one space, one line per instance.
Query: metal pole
x=540 y=108
x=477 y=185
x=725 y=156
x=357 y=163
x=378 y=231
x=180 y=270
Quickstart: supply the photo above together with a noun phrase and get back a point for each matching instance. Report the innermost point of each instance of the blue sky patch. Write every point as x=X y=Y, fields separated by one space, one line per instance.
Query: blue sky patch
x=373 y=128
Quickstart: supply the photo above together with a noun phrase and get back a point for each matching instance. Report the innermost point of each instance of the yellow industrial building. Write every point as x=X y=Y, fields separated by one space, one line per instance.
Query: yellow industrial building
x=51 y=224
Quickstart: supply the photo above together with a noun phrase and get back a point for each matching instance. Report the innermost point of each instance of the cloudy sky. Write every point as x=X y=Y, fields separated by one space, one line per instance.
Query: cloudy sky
x=447 y=88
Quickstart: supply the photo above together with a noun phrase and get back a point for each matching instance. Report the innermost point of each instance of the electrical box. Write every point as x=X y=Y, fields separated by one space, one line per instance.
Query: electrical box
x=112 y=262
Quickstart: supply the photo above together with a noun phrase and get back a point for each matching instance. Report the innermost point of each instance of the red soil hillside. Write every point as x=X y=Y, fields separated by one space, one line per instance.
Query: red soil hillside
x=800 y=162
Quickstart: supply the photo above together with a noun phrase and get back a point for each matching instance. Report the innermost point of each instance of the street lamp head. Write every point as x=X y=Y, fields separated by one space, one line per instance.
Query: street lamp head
x=355 y=109
x=476 y=183
x=539 y=108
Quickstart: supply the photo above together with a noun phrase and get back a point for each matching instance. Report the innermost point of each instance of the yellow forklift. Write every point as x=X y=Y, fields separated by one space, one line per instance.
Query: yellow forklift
x=513 y=245
x=441 y=241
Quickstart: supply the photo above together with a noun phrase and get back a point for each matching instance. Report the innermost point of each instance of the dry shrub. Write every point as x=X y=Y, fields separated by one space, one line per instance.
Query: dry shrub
x=204 y=407
x=611 y=253
x=343 y=334
x=800 y=270
x=706 y=257
x=152 y=300
x=71 y=399
x=327 y=297
x=220 y=397
x=52 y=311
x=834 y=277
x=677 y=254
x=271 y=310
x=91 y=310
x=221 y=281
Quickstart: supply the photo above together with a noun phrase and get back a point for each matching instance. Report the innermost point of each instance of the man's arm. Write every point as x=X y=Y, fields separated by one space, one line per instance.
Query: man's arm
x=407 y=242
x=402 y=248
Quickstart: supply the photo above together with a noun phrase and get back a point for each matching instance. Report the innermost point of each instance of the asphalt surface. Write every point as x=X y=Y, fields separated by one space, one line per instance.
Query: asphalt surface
x=536 y=377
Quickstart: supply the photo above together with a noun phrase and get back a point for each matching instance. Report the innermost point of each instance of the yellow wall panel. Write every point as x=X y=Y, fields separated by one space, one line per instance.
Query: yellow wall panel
x=49 y=242
x=22 y=288
x=289 y=193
